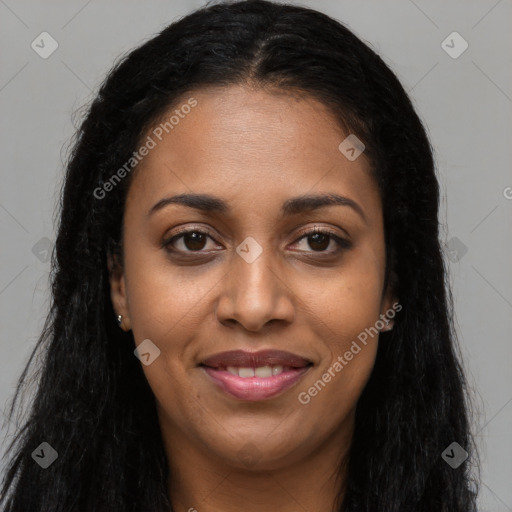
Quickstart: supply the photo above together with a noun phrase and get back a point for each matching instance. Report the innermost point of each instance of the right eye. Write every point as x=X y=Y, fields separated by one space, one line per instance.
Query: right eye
x=193 y=241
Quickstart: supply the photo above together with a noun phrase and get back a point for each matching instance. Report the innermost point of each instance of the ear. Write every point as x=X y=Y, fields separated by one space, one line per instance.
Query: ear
x=118 y=289
x=390 y=304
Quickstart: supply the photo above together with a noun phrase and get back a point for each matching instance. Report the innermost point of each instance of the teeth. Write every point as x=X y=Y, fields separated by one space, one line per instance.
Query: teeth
x=276 y=370
x=261 y=371
x=246 y=372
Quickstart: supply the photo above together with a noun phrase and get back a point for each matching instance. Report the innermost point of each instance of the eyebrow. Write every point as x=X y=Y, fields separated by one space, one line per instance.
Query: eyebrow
x=292 y=206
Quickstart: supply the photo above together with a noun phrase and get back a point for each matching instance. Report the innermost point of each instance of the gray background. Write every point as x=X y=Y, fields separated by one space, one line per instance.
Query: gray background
x=466 y=103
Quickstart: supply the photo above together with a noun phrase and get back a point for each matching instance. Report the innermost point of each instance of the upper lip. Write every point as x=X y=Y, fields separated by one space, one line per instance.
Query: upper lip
x=243 y=359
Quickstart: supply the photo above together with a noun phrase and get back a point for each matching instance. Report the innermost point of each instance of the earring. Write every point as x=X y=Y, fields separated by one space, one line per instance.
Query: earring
x=119 y=320
x=388 y=328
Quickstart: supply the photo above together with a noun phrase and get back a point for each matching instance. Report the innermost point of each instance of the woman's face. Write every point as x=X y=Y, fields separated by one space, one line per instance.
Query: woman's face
x=254 y=282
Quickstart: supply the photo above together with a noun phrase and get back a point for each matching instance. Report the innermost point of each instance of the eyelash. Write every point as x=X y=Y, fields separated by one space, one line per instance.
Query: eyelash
x=343 y=244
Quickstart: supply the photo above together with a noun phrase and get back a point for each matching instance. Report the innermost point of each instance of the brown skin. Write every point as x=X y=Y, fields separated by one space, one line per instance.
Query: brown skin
x=254 y=149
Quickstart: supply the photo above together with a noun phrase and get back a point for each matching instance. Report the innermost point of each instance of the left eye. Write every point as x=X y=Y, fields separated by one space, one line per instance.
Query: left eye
x=319 y=240
x=194 y=240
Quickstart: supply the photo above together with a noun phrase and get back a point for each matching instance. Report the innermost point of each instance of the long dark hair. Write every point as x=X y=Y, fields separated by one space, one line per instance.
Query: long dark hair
x=93 y=404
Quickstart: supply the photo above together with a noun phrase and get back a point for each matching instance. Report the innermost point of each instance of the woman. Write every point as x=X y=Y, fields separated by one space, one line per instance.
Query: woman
x=249 y=303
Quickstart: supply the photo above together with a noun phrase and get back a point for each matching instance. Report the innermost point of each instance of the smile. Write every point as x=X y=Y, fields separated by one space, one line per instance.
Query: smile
x=254 y=376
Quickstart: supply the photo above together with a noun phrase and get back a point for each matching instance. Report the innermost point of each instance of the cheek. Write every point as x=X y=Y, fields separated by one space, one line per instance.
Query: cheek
x=169 y=308
x=348 y=302
x=163 y=308
x=347 y=308
x=349 y=357
x=161 y=298
x=334 y=394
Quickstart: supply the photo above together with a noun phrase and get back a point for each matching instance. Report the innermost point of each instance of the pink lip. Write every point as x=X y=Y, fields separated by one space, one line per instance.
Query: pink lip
x=255 y=388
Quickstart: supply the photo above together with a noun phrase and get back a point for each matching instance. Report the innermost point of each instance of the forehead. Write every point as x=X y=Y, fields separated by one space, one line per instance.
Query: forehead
x=249 y=144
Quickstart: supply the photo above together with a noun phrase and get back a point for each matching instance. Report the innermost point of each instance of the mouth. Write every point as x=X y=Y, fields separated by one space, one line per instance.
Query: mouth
x=254 y=376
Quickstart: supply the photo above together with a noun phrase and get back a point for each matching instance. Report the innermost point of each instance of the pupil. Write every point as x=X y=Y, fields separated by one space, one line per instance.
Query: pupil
x=194 y=241
x=317 y=239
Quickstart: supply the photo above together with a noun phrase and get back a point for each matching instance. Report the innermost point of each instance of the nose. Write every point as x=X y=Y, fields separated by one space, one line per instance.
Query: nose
x=255 y=294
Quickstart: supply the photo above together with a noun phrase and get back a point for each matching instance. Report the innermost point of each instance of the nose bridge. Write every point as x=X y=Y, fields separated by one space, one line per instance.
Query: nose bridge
x=252 y=268
x=255 y=286
x=253 y=291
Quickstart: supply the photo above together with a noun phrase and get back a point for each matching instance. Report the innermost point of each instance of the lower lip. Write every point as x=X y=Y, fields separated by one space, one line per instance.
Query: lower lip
x=255 y=388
